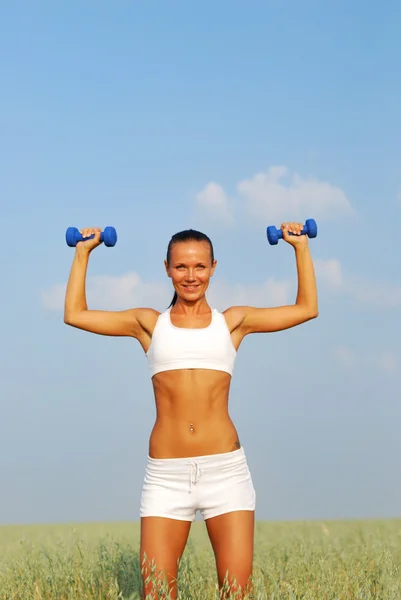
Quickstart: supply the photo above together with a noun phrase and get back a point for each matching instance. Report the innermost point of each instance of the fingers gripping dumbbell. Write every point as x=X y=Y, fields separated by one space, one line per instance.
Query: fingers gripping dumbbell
x=108 y=236
x=274 y=234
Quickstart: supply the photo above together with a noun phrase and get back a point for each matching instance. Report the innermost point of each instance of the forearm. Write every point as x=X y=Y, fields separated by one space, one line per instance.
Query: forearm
x=75 y=297
x=307 y=290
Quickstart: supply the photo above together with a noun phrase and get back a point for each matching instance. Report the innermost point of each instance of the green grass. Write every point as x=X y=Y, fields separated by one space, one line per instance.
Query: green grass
x=325 y=561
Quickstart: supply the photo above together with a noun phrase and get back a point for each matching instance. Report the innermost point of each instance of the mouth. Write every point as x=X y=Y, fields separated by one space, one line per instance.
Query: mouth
x=190 y=288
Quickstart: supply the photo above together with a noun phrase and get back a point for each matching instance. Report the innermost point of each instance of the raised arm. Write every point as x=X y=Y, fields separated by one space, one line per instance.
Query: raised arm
x=135 y=322
x=263 y=320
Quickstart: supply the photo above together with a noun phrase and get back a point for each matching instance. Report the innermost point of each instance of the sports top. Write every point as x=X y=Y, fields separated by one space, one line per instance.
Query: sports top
x=174 y=347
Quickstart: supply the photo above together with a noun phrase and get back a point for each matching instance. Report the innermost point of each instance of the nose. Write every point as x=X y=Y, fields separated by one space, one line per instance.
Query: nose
x=190 y=275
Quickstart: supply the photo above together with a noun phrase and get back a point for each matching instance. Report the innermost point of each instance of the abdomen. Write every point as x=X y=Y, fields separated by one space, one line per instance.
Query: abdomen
x=192 y=414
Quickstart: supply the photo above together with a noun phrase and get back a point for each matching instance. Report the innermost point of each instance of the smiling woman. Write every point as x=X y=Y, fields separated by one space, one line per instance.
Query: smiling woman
x=196 y=461
x=206 y=261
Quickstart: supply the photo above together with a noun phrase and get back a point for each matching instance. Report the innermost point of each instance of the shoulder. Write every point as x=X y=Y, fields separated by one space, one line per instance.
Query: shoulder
x=146 y=318
x=235 y=315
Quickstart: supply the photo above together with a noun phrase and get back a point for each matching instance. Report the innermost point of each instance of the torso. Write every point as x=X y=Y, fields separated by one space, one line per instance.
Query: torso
x=192 y=417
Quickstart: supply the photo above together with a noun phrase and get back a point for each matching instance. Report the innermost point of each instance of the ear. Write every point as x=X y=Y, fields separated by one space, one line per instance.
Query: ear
x=167 y=269
x=214 y=265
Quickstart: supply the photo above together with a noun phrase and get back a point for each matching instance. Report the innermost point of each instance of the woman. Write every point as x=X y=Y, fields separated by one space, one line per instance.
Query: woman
x=195 y=461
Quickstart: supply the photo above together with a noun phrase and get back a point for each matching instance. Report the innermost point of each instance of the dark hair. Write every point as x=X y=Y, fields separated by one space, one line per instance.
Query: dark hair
x=188 y=235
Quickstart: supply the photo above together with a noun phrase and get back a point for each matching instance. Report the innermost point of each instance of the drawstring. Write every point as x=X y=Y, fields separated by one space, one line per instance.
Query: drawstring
x=194 y=466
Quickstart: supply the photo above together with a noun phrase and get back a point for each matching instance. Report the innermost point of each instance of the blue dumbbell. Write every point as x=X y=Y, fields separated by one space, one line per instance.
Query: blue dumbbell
x=108 y=236
x=274 y=234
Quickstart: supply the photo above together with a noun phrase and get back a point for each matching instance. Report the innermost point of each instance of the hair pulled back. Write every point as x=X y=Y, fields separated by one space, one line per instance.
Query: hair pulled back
x=188 y=235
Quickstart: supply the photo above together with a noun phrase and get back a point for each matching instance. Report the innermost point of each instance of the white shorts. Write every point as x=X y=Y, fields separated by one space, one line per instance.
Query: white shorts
x=216 y=484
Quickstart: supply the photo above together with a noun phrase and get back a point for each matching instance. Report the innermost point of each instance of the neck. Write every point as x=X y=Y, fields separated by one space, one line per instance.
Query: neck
x=191 y=308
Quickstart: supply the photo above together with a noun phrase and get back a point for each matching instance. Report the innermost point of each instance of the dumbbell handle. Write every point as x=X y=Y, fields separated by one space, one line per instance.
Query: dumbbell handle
x=79 y=237
x=280 y=233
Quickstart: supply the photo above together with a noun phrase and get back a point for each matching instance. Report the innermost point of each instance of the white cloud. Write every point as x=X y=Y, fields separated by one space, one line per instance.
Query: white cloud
x=375 y=293
x=276 y=196
x=53 y=297
x=107 y=292
x=369 y=292
x=124 y=291
x=330 y=272
x=214 y=203
x=270 y=293
x=385 y=361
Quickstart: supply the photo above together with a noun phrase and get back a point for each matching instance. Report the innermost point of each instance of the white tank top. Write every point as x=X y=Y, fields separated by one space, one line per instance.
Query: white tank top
x=182 y=348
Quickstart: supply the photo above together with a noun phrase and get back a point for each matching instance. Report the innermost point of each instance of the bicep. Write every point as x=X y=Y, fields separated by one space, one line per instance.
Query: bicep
x=266 y=320
x=103 y=322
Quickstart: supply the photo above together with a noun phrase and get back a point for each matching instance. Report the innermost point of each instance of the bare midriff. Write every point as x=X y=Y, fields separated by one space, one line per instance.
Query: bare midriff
x=192 y=416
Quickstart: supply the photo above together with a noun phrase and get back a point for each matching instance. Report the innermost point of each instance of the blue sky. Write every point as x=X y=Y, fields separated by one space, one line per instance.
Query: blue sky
x=227 y=117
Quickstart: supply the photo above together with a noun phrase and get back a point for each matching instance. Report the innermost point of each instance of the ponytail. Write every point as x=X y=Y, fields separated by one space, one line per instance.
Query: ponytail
x=174 y=300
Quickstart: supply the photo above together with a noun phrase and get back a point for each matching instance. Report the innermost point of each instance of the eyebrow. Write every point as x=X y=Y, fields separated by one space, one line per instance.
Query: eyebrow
x=183 y=264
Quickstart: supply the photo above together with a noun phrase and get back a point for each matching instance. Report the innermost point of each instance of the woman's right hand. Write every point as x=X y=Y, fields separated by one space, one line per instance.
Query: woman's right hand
x=89 y=244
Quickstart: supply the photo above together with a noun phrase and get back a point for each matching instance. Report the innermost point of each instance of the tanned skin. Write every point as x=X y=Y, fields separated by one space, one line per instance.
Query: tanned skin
x=192 y=416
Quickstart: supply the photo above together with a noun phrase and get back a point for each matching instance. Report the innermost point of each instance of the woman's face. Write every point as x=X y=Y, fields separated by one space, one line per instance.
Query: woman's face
x=190 y=268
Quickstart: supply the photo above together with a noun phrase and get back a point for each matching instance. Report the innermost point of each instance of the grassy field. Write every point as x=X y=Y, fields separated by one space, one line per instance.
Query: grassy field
x=325 y=561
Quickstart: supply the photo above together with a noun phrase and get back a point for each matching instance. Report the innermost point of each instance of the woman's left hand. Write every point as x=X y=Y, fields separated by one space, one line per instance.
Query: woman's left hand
x=296 y=239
